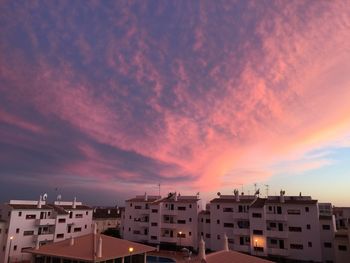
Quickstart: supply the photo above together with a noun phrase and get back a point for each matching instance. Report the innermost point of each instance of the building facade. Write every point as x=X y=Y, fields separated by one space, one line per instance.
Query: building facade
x=106 y=218
x=28 y=224
x=172 y=220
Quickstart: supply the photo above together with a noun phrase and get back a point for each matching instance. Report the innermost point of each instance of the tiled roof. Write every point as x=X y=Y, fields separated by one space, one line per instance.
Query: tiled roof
x=229 y=257
x=83 y=248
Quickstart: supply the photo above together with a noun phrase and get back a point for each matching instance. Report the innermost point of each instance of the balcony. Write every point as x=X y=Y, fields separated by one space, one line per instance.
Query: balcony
x=277 y=234
x=276 y=217
x=44 y=237
x=45 y=222
x=278 y=252
x=241 y=231
x=168 y=239
x=242 y=248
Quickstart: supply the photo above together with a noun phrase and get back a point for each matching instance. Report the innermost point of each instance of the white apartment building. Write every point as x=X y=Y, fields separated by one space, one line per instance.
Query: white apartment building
x=28 y=224
x=106 y=218
x=288 y=227
x=172 y=220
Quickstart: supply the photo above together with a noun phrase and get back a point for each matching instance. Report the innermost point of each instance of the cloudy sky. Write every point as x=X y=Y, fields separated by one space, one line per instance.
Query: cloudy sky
x=105 y=99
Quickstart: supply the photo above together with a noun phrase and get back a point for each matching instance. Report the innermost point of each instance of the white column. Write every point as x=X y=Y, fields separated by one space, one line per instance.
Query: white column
x=122 y=259
x=145 y=258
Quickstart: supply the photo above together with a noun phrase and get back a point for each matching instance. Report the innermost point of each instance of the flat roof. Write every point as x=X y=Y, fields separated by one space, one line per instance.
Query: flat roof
x=83 y=248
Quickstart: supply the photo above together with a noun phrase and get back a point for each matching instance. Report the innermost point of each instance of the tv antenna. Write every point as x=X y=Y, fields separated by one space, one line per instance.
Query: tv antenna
x=267 y=190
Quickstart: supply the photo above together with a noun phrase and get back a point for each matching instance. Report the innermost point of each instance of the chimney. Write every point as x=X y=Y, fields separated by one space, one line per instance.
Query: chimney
x=201 y=250
x=282 y=196
x=146 y=197
x=74 y=203
x=109 y=211
x=71 y=241
x=99 y=248
x=225 y=243
x=39 y=202
x=37 y=245
x=236 y=192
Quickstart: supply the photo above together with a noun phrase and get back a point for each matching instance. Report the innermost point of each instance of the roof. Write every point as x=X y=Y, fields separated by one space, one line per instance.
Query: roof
x=78 y=207
x=83 y=246
x=104 y=213
x=139 y=199
x=29 y=207
x=59 y=210
x=231 y=200
x=229 y=257
x=258 y=203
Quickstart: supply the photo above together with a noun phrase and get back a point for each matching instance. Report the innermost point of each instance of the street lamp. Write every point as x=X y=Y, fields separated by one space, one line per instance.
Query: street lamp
x=8 y=258
x=131 y=249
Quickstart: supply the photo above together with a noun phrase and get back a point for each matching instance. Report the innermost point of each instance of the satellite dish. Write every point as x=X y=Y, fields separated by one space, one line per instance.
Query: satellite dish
x=59 y=197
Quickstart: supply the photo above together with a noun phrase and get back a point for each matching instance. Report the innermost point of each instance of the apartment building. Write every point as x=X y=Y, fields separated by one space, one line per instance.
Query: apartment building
x=327 y=231
x=172 y=220
x=342 y=217
x=27 y=224
x=106 y=218
x=276 y=226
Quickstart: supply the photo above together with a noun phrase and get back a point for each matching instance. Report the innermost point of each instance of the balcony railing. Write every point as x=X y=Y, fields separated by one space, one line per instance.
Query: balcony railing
x=45 y=222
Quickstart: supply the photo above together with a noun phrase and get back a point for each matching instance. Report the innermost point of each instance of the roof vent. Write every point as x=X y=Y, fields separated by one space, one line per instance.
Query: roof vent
x=282 y=193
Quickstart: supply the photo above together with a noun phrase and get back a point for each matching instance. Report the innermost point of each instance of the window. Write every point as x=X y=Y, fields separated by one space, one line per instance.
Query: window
x=182 y=208
x=217 y=206
x=202 y=220
x=207 y=221
x=327 y=244
x=154 y=237
x=218 y=221
x=15 y=247
x=154 y=224
x=218 y=237
x=190 y=219
x=228 y=209
x=189 y=233
x=130 y=204
x=293 y=212
x=306 y=209
x=326 y=227
x=279 y=210
x=77 y=229
x=87 y=213
x=273 y=241
x=181 y=221
x=28 y=233
x=273 y=225
x=138 y=207
x=17 y=230
x=59 y=235
x=19 y=213
x=190 y=206
x=308 y=226
x=129 y=217
x=228 y=225
x=296 y=246
x=85 y=226
x=342 y=248
x=61 y=220
x=309 y=244
x=230 y=240
x=207 y=235
x=154 y=210
x=294 y=229
x=30 y=216
x=240 y=209
x=257 y=232
x=79 y=216
x=181 y=235
x=129 y=229
x=257 y=215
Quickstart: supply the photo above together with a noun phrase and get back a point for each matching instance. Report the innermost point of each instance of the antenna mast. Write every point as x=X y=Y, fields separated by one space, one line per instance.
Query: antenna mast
x=159 y=189
x=267 y=190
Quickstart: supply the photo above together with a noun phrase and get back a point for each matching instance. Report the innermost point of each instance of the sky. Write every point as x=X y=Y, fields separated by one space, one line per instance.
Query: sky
x=104 y=100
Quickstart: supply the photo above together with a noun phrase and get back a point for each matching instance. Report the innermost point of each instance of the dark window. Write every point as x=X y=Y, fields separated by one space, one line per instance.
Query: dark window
x=309 y=244
x=273 y=225
x=61 y=220
x=279 y=210
x=190 y=206
x=257 y=232
x=181 y=235
x=59 y=235
x=296 y=246
x=217 y=206
x=30 y=216
x=129 y=229
x=240 y=209
x=87 y=213
x=85 y=226
x=189 y=233
x=77 y=229
x=230 y=241
x=294 y=229
x=70 y=214
x=218 y=221
x=79 y=216
x=190 y=219
x=181 y=221
x=202 y=220
x=207 y=221
x=257 y=215
x=154 y=224
x=154 y=210
x=129 y=217
x=342 y=248
x=69 y=229
x=270 y=208
x=207 y=235
x=228 y=225
x=273 y=241
x=306 y=209
x=326 y=227
x=154 y=237
x=19 y=213
x=218 y=237
x=327 y=244
x=17 y=230
x=14 y=247
x=182 y=208
x=293 y=212
x=228 y=209
x=308 y=226
x=138 y=207
x=28 y=233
